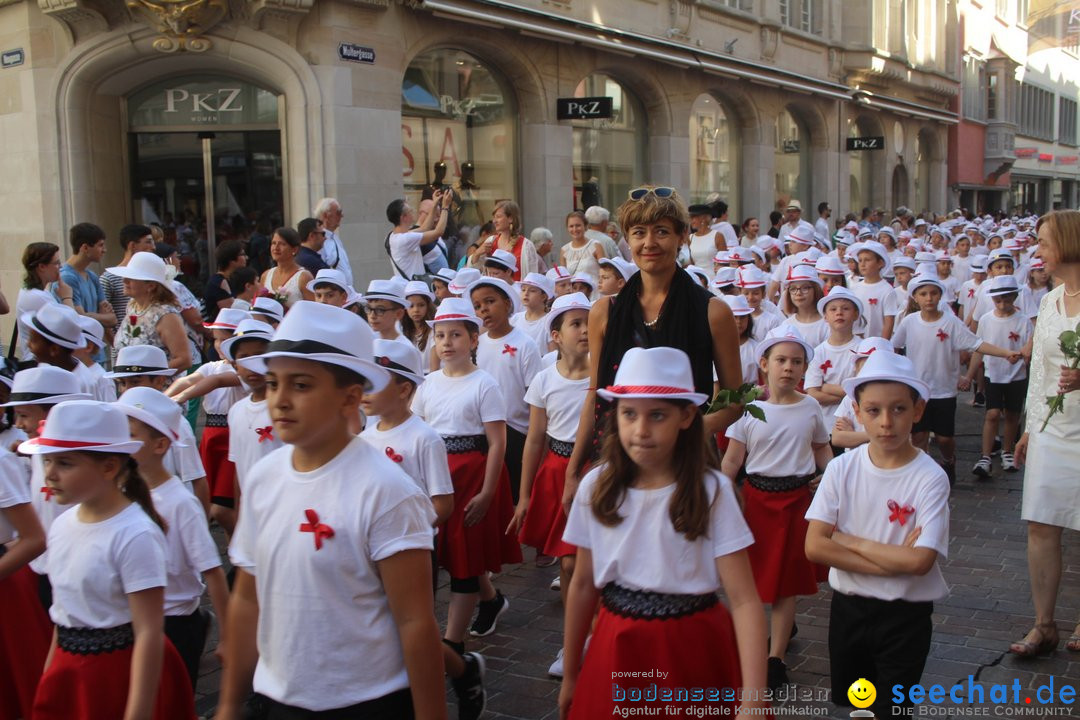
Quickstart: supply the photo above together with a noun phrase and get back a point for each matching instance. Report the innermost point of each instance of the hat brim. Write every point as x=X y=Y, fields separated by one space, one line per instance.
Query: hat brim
x=424 y=293
x=377 y=377
x=396 y=299
x=311 y=285
x=226 y=346
x=152 y=420
x=50 y=400
x=472 y=319
x=515 y=300
x=128 y=274
x=166 y=372
x=693 y=397
x=1003 y=291
x=27 y=320
x=854 y=300
x=852 y=383
x=34 y=447
x=768 y=342
x=6 y=380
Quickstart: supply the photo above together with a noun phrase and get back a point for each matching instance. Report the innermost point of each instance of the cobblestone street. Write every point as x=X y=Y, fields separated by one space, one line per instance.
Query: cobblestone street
x=988 y=607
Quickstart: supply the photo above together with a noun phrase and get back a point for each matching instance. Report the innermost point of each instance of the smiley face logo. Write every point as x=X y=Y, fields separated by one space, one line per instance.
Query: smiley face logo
x=862 y=693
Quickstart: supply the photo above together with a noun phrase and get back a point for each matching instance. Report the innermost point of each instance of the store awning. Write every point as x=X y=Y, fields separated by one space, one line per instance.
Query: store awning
x=539 y=23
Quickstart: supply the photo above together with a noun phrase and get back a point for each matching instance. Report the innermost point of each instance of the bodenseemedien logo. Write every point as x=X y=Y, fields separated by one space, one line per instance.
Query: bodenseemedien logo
x=969 y=699
x=862 y=694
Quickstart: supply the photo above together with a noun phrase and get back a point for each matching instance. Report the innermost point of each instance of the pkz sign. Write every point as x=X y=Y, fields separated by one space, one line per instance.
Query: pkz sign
x=866 y=143
x=589 y=108
x=202 y=101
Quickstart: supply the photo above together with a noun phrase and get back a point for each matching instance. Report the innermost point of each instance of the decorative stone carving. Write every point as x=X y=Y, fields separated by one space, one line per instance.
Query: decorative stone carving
x=182 y=23
x=79 y=15
x=770 y=38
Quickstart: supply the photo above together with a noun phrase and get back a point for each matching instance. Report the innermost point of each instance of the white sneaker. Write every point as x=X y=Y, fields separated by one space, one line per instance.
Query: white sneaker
x=556 y=584
x=556 y=669
x=1008 y=463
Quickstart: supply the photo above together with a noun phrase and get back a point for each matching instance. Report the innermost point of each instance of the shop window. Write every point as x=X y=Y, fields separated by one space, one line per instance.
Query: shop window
x=609 y=154
x=792 y=164
x=861 y=165
x=713 y=153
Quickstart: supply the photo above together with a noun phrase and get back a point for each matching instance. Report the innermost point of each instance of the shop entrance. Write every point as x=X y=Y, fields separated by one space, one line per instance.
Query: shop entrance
x=205 y=162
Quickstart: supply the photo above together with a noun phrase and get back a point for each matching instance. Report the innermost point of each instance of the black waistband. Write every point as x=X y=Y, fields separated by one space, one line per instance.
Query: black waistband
x=215 y=420
x=395 y=704
x=457 y=444
x=94 y=641
x=560 y=447
x=645 y=605
x=779 y=484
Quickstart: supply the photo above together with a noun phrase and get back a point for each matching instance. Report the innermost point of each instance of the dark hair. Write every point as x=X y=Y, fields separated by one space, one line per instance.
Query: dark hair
x=132 y=233
x=912 y=305
x=402 y=380
x=749 y=327
x=343 y=376
x=165 y=250
x=689 y=508
x=305 y=227
x=774 y=217
x=241 y=277
x=768 y=352
x=235 y=347
x=422 y=331
x=135 y=488
x=34 y=256
x=227 y=253
x=822 y=207
x=496 y=288
x=394 y=211
x=719 y=208
x=288 y=235
x=915 y=396
x=84 y=234
x=578 y=214
x=746 y=223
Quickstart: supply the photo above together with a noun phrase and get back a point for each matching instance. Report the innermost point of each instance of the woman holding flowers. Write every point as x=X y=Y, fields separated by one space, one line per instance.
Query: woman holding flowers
x=1051 y=445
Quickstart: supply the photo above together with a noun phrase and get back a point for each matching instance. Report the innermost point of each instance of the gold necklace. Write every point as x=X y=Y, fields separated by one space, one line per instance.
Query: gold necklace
x=1069 y=294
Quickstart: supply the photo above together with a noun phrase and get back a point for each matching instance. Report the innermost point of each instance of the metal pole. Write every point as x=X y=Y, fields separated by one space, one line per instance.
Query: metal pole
x=208 y=197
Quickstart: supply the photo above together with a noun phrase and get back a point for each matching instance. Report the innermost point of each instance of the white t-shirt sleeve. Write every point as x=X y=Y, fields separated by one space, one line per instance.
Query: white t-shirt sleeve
x=933 y=508
x=581 y=518
x=141 y=562
x=729 y=531
x=537 y=393
x=821 y=431
x=406 y=526
x=436 y=468
x=190 y=525
x=815 y=376
x=889 y=304
x=418 y=400
x=826 y=503
x=530 y=363
x=899 y=338
x=406 y=242
x=737 y=429
x=492 y=406
x=965 y=339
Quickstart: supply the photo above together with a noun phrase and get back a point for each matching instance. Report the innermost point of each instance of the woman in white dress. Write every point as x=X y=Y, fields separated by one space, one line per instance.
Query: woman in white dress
x=581 y=254
x=287 y=281
x=1051 y=482
x=704 y=243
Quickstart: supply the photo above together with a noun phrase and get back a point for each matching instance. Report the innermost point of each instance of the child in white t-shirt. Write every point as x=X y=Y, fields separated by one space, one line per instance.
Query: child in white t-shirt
x=880 y=519
x=537 y=292
x=783 y=455
x=421 y=309
x=834 y=359
x=332 y=605
x=751 y=282
x=802 y=291
x=847 y=431
x=744 y=324
x=878 y=298
x=251 y=431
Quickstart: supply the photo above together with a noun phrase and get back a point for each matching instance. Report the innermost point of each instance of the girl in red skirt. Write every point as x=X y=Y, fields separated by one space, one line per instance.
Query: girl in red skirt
x=555 y=398
x=658 y=532
x=24 y=626
x=784 y=457
x=465 y=406
x=109 y=656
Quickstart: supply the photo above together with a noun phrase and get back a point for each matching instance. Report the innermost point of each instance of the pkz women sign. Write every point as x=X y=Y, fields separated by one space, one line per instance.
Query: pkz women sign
x=356 y=53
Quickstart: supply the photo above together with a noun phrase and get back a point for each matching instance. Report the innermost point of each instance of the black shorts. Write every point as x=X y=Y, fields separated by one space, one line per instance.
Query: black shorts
x=1006 y=396
x=884 y=641
x=939 y=417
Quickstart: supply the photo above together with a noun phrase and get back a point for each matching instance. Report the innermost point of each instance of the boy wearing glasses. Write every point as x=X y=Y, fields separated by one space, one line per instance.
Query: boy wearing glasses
x=385 y=310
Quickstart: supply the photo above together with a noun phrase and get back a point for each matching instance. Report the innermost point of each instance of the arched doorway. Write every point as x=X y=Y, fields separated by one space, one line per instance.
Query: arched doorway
x=714 y=152
x=457 y=131
x=899 y=187
x=792 y=160
x=609 y=154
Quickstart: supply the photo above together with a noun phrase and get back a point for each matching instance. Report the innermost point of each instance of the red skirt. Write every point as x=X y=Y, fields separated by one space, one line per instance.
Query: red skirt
x=25 y=635
x=220 y=471
x=468 y=552
x=94 y=687
x=778 y=555
x=696 y=651
x=545 y=521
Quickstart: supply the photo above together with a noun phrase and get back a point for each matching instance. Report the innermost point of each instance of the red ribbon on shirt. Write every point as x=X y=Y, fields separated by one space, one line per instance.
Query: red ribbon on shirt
x=899 y=512
x=942 y=335
x=321 y=530
x=265 y=433
x=1014 y=337
x=393 y=455
x=873 y=301
x=971 y=292
x=825 y=366
x=508 y=350
x=49 y=492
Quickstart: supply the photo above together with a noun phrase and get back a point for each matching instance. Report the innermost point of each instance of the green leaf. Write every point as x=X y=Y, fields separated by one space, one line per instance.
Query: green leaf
x=755 y=411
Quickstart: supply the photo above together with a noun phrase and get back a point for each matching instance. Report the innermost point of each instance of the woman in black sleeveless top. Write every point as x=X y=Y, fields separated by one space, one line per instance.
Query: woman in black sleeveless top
x=661 y=305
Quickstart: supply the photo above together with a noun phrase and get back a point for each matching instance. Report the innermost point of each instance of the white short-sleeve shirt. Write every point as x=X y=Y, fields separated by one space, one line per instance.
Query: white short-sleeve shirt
x=644 y=551
x=251 y=436
x=459 y=405
x=781 y=446
x=934 y=348
x=513 y=360
x=748 y=362
x=93 y=567
x=561 y=399
x=535 y=329
x=219 y=400
x=815 y=332
x=45 y=505
x=189 y=549
x=765 y=322
x=879 y=302
x=1010 y=333
x=418 y=450
x=13 y=491
x=405 y=253
x=864 y=500
x=832 y=364
x=185 y=462
x=326 y=637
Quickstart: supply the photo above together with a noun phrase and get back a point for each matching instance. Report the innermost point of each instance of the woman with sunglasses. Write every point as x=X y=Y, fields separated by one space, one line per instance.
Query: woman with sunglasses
x=661 y=305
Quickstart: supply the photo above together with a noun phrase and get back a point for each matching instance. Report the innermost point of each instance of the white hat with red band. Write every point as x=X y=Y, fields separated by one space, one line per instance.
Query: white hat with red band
x=564 y=304
x=464 y=278
x=454 y=309
x=738 y=304
x=155 y=409
x=83 y=426
x=784 y=334
x=227 y=319
x=869 y=346
x=660 y=372
x=750 y=276
x=829 y=265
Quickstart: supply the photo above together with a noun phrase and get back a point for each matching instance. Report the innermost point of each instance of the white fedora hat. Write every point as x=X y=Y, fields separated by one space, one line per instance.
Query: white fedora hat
x=400 y=358
x=839 y=293
x=504 y=287
x=464 y=278
x=418 y=287
x=44 y=385
x=57 y=324
x=541 y=282
x=1003 y=285
x=564 y=304
x=784 y=334
x=869 y=346
x=93 y=331
x=140 y=360
x=503 y=258
x=249 y=329
x=325 y=334
x=83 y=426
x=143 y=266
x=660 y=372
x=330 y=276
x=750 y=276
x=887 y=367
x=738 y=304
x=154 y=408
x=455 y=309
x=268 y=307
x=228 y=319
x=919 y=280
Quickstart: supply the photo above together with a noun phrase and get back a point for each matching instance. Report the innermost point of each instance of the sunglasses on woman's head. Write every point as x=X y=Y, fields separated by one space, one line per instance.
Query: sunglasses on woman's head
x=660 y=192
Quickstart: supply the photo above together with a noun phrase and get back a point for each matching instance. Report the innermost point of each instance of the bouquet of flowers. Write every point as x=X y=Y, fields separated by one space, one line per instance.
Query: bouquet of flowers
x=743 y=395
x=1069 y=342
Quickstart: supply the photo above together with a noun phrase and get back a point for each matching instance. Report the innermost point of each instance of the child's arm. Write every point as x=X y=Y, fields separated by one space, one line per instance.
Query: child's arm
x=826 y=393
x=406 y=578
x=845 y=435
x=821 y=548
x=733 y=458
x=444 y=505
x=477 y=507
x=986 y=348
x=201 y=489
x=530 y=461
x=893 y=559
x=581 y=601
x=748 y=616
x=218 y=589
x=887 y=326
x=31 y=542
x=973 y=368
x=204 y=385
x=183 y=383
x=822 y=457
x=148 y=622
x=241 y=652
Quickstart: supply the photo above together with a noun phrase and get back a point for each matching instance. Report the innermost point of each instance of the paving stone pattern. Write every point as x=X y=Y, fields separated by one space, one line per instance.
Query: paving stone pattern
x=988 y=607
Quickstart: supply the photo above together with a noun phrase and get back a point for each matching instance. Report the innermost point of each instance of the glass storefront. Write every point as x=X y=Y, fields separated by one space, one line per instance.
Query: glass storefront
x=792 y=164
x=458 y=131
x=860 y=171
x=714 y=153
x=609 y=154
